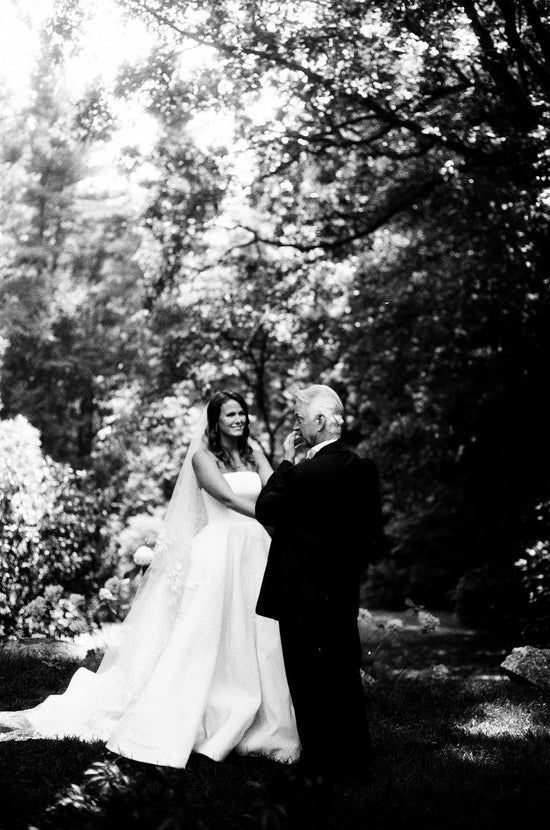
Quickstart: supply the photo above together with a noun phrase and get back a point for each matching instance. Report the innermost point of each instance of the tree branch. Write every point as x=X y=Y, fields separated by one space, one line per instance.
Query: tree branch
x=396 y=206
x=539 y=28
x=269 y=55
x=494 y=63
x=523 y=55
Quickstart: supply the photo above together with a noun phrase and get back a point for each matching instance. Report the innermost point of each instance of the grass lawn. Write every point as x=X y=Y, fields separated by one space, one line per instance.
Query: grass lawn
x=457 y=745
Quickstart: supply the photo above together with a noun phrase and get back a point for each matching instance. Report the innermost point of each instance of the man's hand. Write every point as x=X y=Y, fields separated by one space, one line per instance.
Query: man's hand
x=290 y=444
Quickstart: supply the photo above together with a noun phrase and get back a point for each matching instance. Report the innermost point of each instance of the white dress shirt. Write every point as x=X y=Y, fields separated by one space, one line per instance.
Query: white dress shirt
x=314 y=450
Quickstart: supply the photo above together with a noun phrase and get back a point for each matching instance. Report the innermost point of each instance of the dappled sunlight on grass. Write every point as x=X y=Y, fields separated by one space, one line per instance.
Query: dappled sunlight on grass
x=457 y=743
x=504 y=718
x=475 y=756
x=490 y=678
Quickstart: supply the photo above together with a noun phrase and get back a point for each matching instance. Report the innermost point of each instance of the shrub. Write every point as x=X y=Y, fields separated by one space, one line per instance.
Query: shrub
x=490 y=596
x=114 y=599
x=141 y=530
x=52 y=521
x=54 y=614
x=533 y=568
x=386 y=585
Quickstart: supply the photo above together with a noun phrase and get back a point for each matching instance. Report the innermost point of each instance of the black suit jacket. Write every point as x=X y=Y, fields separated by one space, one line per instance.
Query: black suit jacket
x=326 y=517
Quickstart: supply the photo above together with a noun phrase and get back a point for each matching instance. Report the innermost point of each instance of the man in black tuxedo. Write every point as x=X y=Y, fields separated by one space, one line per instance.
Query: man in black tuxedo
x=326 y=516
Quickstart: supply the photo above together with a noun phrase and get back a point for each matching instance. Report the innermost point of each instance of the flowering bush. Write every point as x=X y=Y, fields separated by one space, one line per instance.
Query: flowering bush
x=114 y=600
x=140 y=533
x=5 y=614
x=134 y=556
x=377 y=631
x=53 y=614
x=534 y=566
x=534 y=571
x=440 y=671
x=52 y=523
x=426 y=621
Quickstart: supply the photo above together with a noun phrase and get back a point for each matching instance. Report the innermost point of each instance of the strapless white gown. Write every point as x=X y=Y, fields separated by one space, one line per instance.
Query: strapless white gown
x=218 y=683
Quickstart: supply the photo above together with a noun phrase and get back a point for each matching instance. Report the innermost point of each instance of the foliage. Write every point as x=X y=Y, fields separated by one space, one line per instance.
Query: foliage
x=374 y=632
x=139 y=451
x=53 y=536
x=490 y=597
x=534 y=567
x=141 y=529
x=409 y=143
x=254 y=336
x=376 y=218
x=43 y=767
x=385 y=585
x=71 y=308
x=53 y=615
x=111 y=793
x=113 y=600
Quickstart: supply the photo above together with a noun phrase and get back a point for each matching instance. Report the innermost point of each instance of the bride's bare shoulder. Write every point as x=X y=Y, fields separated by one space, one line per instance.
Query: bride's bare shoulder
x=203 y=457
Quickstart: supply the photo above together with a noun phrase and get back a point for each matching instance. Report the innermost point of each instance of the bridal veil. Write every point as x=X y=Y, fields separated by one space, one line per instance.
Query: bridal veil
x=94 y=702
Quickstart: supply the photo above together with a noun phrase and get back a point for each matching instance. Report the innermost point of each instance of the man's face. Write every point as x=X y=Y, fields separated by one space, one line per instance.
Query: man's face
x=306 y=424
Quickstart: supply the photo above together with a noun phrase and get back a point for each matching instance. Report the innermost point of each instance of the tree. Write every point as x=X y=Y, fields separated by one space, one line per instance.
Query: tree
x=410 y=143
x=71 y=301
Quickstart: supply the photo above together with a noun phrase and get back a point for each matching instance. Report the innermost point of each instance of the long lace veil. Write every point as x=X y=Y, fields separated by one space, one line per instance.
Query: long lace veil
x=95 y=701
x=150 y=621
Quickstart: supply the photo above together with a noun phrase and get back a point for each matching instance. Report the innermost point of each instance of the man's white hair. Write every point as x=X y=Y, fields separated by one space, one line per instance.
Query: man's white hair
x=324 y=401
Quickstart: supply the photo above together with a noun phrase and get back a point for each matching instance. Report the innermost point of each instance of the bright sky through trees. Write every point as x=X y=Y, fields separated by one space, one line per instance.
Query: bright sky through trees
x=107 y=40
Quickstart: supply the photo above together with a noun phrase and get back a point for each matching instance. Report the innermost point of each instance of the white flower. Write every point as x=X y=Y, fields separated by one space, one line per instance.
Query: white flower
x=364 y=616
x=427 y=621
x=104 y=593
x=440 y=671
x=143 y=556
x=394 y=624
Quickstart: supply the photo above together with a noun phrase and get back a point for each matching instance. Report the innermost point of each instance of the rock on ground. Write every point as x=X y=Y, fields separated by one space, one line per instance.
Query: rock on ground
x=531 y=664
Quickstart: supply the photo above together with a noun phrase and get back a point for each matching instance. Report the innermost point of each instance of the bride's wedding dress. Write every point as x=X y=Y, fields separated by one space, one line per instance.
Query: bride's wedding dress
x=198 y=670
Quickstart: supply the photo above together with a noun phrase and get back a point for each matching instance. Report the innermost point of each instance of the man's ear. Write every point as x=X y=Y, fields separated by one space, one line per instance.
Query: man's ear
x=322 y=421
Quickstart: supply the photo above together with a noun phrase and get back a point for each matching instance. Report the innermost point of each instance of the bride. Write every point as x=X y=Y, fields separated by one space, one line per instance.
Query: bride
x=195 y=668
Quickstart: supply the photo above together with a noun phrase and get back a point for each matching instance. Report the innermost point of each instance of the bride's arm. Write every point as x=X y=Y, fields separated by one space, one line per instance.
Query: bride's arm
x=210 y=479
x=265 y=470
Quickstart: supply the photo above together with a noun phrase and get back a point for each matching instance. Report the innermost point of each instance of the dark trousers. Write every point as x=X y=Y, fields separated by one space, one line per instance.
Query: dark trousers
x=322 y=668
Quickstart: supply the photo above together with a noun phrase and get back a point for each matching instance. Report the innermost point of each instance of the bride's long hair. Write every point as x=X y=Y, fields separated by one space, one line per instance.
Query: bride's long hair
x=213 y=434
